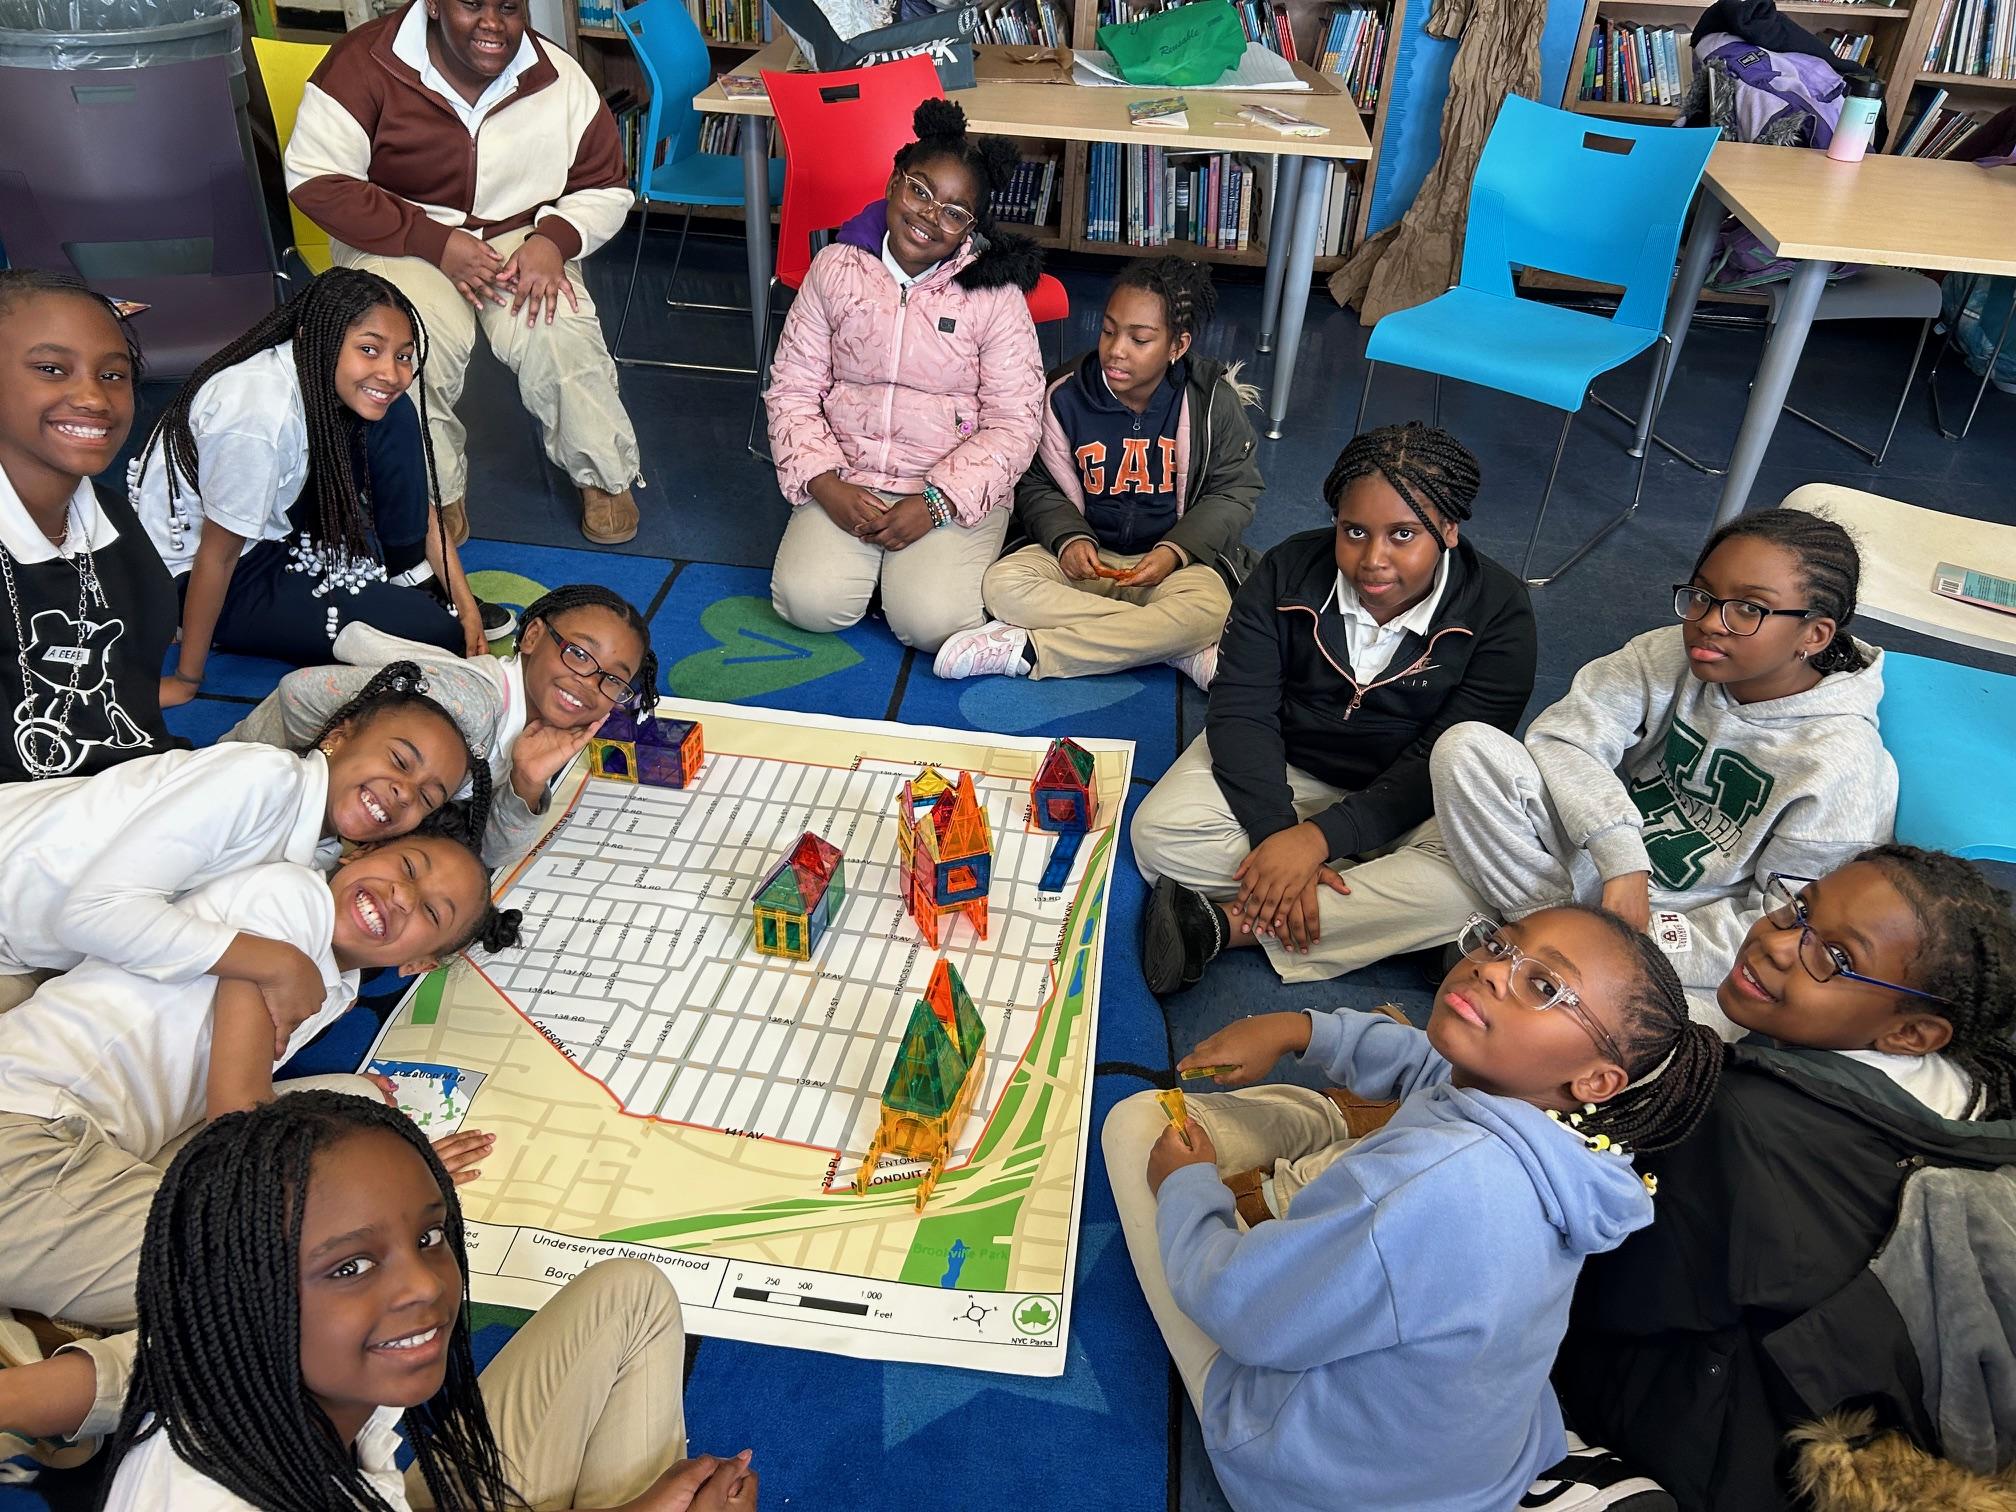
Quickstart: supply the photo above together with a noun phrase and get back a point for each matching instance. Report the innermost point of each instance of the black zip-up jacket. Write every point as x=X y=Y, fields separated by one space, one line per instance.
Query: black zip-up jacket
x=1284 y=694
x=1748 y=1308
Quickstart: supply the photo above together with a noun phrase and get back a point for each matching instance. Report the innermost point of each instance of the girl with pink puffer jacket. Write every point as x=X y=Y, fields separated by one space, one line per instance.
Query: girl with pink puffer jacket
x=906 y=396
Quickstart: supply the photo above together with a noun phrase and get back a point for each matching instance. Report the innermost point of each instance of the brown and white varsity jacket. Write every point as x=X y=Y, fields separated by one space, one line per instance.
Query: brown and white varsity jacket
x=384 y=164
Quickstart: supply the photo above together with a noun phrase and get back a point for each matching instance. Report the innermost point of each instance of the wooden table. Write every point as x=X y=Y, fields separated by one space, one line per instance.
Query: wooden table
x=1897 y=212
x=1070 y=113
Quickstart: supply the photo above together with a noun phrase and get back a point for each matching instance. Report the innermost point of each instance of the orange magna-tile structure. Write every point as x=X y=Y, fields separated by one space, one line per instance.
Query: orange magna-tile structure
x=947 y=852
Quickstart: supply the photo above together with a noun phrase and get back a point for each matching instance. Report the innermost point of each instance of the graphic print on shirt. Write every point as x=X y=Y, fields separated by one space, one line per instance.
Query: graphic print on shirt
x=1134 y=475
x=1695 y=804
x=59 y=721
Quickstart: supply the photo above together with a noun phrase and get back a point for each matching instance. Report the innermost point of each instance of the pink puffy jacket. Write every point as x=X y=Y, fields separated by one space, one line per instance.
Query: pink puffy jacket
x=943 y=384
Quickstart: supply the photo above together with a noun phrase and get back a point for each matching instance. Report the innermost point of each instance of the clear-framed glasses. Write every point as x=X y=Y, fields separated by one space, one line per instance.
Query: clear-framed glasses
x=1785 y=908
x=1534 y=985
x=581 y=661
x=1739 y=616
x=954 y=218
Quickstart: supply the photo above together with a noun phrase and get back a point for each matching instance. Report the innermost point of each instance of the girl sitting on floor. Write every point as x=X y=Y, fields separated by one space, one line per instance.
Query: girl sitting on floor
x=1684 y=769
x=94 y=866
x=278 y=1380
x=1374 y=1328
x=583 y=650
x=290 y=488
x=1349 y=651
x=1142 y=485
x=1882 y=999
x=90 y=610
x=905 y=397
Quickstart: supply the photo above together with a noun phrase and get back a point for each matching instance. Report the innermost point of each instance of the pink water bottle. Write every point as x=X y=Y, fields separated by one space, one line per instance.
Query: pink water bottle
x=1858 y=120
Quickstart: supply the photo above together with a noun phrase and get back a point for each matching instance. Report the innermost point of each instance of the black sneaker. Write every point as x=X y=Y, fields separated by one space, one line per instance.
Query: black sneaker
x=499 y=623
x=1183 y=933
x=1592 y=1479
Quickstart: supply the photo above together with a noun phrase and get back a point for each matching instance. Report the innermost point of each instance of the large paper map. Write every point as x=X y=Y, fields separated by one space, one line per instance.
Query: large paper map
x=659 y=1089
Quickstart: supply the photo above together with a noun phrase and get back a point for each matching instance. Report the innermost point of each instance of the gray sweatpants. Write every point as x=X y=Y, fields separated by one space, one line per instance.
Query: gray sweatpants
x=1504 y=835
x=1407 y=897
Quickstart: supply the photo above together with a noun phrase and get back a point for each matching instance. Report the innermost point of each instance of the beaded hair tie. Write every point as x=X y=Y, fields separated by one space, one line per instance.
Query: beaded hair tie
x=1599 y=1143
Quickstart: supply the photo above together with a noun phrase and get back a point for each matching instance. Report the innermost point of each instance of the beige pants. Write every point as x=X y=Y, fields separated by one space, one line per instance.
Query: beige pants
x=1292 y=1131
x=1079 y=628
x=16 y=990
x=1408 y=897
x=566 y=377
x=824 y=577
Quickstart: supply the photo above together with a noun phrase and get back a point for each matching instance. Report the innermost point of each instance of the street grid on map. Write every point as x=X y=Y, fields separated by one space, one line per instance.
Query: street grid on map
x=638 y=961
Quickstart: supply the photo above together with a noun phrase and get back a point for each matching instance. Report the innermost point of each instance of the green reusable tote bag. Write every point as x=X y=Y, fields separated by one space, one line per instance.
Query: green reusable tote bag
x=1184 y=45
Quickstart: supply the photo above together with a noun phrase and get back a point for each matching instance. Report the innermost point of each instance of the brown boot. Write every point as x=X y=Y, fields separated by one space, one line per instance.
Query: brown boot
x=1361 y=1115
x=1247 y=1197
x=455 y=521
x=607 y=519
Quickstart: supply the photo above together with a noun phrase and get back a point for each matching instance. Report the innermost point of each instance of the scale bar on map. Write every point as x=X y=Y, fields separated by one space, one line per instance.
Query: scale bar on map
x=800 y=1299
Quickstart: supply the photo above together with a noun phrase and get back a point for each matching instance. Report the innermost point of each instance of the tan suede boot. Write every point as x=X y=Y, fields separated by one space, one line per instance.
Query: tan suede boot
x=455 y=521
x=607 y=519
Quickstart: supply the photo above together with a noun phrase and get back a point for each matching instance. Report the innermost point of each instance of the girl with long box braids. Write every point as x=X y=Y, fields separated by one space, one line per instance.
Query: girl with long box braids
x=1881 y=1000
x=583 y=652
x=303 y=1288
x=290 y=488
x=1349 y=651
x=1684 y=769
x=1367 y=1319
x=95 y=867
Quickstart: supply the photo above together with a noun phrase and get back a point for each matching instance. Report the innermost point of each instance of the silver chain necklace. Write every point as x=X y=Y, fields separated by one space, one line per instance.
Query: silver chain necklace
x=88 y=592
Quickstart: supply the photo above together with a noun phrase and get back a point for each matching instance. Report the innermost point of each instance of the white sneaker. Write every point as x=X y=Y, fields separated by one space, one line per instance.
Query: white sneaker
x=1199 y=666
x=994 y=649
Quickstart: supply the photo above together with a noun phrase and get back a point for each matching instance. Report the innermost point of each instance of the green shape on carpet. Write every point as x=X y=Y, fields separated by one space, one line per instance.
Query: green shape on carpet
x=483 y=1314
x=755 y=653
x=958 y=1249
x=427 y=1001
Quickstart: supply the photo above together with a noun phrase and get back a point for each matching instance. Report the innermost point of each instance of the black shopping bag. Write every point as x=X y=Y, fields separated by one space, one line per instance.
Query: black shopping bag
x=946 y=37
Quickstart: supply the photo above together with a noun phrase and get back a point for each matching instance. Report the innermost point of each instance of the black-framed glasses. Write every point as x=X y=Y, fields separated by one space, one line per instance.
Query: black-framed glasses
x=1739 y=616
x=581 y=661
x=1785 y=908
x=954 y=218
x=1534 y=985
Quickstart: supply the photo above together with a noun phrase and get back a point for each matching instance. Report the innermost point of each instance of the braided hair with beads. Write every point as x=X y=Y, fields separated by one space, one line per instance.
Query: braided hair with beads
x=1189 y=298
x=1654 y=1112
x=19 y=285
x=572 y=596
x=316 y=320
x=1966 y=958
x=402 y=685
x=1830 y=571
x=940 y=126
x=1433 y=472
x=218 y=1367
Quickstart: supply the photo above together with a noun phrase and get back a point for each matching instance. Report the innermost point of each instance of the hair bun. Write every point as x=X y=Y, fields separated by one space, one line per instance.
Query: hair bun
x=938 y=118
x=501 y=930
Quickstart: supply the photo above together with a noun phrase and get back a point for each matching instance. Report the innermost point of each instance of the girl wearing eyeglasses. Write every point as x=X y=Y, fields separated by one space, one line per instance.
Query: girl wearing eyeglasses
x=583 y=650
x=1685 y=768
x=1371 y=1324
x=906 y=395
x=1883 y=998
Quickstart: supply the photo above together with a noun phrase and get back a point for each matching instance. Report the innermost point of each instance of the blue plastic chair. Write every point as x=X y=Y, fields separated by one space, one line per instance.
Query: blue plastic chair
x=1952 y=732
x=673 y=55
x=1599 y=200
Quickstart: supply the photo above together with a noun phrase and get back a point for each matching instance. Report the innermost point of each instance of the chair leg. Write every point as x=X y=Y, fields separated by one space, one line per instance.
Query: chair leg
x=1540 y=517
x=1980 y=390
x=630 y=292
x=1689 y=458
x=1875 y=456
x=629 y=295
x=756 y=411
x=671 y=283
x=1364 y=398
x=1435 y=406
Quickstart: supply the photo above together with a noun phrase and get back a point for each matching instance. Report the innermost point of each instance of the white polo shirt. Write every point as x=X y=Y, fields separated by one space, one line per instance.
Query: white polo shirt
x=93 y=866
x=132 y=1056
x=1372 y=644
x=409 y=46
x=90 y=530
x=154 y=1478
x=251 y=458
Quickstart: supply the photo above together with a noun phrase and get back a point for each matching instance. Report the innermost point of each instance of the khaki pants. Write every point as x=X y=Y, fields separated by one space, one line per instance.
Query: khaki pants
x=824 y=577
x=1408 y=897
x=1291 y=1131
x=566 y=377
x=1079 y=628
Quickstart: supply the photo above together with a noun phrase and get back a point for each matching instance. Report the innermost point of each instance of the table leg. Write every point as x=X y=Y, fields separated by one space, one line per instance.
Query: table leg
x=1287 y=177
x=1295 y=293
x=1699 y=248
x=1774 y=377
x=756 y=227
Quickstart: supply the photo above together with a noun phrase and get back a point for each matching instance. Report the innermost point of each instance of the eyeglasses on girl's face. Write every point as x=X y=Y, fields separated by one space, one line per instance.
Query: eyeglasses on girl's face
x=924 y=200
x=1785 y=908
x=579 y=660
x=1533 y=984
x=1739 y=616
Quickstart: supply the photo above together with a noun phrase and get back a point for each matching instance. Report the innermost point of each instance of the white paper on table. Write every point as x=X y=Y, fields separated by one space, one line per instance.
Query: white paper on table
x=1259 y=69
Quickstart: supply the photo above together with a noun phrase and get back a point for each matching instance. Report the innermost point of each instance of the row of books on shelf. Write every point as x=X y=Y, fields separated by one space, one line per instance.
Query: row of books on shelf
x=723 y=133
x=1030 y=192
x=1629 y=63
x=1938 y=130
x=1353 y=47
x=1151 y=196
x=1340 y=213
x=1024 y=23
x=1974 y=37
x=629 y=113
x=1851 y=47
x=720 y=20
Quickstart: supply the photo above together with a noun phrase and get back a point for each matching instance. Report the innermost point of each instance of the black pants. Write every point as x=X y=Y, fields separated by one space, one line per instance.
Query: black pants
x=272 y=611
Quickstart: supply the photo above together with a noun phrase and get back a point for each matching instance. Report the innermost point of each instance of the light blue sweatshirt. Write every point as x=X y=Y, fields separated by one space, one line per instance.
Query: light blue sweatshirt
x=1387 y=1344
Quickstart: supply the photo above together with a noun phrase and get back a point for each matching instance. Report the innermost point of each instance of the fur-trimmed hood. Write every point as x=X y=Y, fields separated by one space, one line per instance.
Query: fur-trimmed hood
x=985 y=260
x=1844 y=1465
